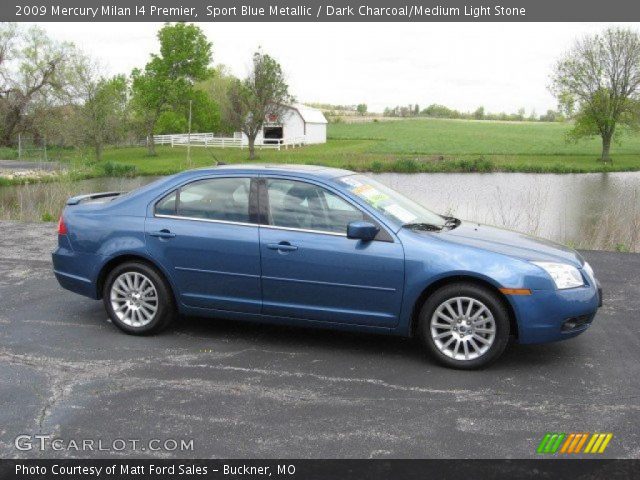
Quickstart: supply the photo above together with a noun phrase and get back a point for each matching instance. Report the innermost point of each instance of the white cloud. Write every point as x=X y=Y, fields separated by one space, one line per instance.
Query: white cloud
x=503 y=66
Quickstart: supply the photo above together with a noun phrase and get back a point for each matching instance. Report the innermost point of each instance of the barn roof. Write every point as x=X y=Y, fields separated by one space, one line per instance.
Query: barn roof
x=309 y=114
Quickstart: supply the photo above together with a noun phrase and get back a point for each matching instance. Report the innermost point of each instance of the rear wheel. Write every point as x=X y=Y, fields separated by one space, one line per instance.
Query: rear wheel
x=464 y=325
x=138 y=299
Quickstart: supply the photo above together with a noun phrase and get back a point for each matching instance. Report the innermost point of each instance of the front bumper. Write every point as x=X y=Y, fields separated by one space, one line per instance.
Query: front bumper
x=551 y=315
x=599 y=294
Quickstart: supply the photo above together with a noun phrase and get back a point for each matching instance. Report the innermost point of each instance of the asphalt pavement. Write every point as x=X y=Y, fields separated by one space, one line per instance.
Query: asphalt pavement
x=249 y=390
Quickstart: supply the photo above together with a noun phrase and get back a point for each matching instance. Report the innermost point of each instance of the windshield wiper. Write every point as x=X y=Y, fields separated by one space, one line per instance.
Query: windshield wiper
x=452 y=222
x=428 y=227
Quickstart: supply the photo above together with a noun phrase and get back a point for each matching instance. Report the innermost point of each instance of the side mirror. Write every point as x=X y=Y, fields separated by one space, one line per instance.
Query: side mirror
x=361 y=230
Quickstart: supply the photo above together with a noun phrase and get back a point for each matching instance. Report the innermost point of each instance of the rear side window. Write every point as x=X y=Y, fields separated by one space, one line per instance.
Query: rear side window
x=167 y=206
x=225 y=199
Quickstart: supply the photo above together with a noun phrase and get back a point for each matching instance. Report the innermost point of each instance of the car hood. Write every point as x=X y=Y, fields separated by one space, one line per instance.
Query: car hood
x=511 y=243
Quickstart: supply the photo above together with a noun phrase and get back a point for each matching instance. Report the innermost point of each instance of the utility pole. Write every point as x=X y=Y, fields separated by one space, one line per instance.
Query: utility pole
x=189 y=137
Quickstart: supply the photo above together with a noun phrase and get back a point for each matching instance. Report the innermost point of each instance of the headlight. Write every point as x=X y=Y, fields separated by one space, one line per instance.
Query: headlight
x=587 y=268
x=564 y=276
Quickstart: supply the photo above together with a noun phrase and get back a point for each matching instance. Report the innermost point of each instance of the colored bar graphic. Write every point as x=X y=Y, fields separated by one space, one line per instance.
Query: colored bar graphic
x=573 y=443
x=576 y=439
x=550 y=443
x=605 y=442
x=557 y=443
x=581 y=443
x=590 y=444
x=565 y=447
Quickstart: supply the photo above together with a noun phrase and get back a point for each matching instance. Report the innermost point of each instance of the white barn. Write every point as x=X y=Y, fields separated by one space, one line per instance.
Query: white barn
x=298 y=124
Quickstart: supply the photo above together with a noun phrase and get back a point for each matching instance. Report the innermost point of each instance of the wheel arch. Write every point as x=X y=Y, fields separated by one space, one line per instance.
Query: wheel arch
x=432 y=287
x=131 y=257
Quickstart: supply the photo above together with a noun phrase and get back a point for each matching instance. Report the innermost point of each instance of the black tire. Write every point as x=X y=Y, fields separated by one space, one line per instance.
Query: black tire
x=166 y=310
x=479 y=293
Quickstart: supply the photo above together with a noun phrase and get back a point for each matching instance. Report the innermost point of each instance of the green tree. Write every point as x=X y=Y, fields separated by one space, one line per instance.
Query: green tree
x=103 y=116
x=479 y=113
x=205 y=115
x=361 y=108
x=217 y=88
x=600 y=78
x=168 y=80
x=264 y=93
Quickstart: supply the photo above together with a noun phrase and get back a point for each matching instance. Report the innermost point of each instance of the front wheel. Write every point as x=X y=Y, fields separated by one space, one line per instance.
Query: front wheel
x=464 y=325
x=138 y=299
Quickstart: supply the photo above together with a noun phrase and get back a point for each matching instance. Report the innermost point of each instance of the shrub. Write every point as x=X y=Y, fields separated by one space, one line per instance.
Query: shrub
x=7 y=153
x=621 y=247
x=377 y=167
x=114 y=169
x=405 y=165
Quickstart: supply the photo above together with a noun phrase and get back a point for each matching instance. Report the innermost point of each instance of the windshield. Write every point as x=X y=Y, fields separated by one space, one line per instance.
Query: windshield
x=390 y=203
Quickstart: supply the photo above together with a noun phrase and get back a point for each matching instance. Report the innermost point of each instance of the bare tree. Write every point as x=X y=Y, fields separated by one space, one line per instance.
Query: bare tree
x=33 y=68
x=599 y=78
x=263 y=94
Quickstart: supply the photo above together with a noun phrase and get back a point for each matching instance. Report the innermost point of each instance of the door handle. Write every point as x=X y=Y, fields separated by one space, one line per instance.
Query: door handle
x=282 y=247
x=164 y=233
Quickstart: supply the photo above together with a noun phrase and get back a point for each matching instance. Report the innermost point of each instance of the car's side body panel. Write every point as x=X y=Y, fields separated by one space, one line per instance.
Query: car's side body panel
x=95 y=239
x=214 y=265
x=331 y=278
x=229 y=270
x=539 y=316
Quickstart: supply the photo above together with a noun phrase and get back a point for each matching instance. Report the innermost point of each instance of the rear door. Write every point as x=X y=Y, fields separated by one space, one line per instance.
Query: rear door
x=311 y=270
x=206 y=235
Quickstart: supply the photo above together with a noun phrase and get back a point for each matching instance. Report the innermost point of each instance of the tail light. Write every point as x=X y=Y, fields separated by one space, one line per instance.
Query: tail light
x=62 y=228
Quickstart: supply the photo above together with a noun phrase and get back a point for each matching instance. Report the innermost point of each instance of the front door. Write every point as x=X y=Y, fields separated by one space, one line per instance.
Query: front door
x=311 y=270
x=204 y=234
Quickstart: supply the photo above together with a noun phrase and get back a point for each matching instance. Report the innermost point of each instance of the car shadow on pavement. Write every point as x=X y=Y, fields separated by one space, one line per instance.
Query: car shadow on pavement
x=301 y=339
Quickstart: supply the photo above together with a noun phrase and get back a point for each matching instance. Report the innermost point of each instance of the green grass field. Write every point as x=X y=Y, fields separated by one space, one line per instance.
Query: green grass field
x=416 y=145
x=468 y=137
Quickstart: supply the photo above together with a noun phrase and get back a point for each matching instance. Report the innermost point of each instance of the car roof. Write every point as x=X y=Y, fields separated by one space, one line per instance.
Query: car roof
x=261 y=168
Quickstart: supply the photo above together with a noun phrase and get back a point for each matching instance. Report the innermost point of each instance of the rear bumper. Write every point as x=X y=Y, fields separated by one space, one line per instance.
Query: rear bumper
x=71 y=272
x=551 y=315
x=76 y=284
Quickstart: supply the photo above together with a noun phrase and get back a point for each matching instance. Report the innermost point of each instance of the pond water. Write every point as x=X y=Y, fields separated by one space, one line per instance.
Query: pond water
x=594 y=210
x=584 y=210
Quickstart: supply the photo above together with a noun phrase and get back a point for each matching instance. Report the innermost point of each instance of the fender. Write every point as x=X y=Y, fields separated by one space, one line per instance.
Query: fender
x=130 y=254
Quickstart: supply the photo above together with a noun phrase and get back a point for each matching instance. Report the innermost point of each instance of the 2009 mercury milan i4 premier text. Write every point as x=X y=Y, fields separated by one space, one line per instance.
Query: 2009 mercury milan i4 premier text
x=322 y=247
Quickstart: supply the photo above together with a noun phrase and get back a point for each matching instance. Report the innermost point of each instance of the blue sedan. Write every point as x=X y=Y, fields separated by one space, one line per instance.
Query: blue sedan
x=319 y=247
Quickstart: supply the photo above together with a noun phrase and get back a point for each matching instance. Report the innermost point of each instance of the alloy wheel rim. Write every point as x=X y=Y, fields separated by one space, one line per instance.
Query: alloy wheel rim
x=134 y=299
x=463 y=328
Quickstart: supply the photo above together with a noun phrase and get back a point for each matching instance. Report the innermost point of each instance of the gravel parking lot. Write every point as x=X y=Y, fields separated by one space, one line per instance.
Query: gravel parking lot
x=247 y=390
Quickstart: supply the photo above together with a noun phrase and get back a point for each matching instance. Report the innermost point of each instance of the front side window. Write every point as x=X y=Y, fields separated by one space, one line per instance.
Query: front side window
x=225 y=199
x=305 y=206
